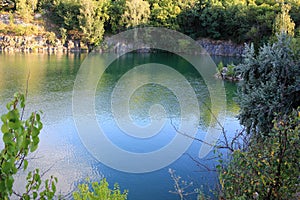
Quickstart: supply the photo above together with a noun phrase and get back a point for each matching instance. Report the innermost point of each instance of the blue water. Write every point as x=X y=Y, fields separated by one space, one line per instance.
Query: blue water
x=51 y=84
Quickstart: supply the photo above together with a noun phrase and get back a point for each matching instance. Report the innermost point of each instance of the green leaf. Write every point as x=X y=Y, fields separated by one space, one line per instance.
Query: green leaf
x=10 y=182
x=4 y=118
x=53 y=187
x=7 y=138
x=25 y=164
x=4 y=128
x=35 y=132
x=14 y=125
x=8 y=105
x=34 y=194
x=6 y=167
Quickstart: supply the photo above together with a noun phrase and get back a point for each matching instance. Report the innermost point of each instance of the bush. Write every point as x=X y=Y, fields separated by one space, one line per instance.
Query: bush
x=230 y=70
x=99 y=191
x=270 y=85
x=269 y=169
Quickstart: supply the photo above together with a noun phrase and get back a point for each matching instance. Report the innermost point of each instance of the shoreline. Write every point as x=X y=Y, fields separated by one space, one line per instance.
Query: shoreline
x=39 y=44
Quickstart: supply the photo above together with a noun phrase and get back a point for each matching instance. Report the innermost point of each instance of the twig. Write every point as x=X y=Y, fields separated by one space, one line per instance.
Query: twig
x=26 y=93
x=198 y=163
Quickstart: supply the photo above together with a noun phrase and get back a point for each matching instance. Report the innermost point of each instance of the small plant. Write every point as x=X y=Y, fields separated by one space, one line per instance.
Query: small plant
x=181 y=188
x=230 y=70
x=220 y=68
x=99 y=191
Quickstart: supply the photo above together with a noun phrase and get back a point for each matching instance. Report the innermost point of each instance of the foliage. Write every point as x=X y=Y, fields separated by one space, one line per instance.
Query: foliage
x=270 y=85
x=20 y=30
x=137 y=12
x=65 y=14
x=51 y=38
x=269 y=168
x=164 y=13
x=230 y=70
x=116 y=10
x=25 y=8
x=21 y=137
x=63 y=34
x=220 y=67
x=283 y=21
x=240 y=21
x=99 y=191
x=34 y=185
x=211 y=18
x=92 y=16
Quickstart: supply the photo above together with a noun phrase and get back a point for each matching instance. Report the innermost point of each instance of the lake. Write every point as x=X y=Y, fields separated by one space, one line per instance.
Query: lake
x=62 y=148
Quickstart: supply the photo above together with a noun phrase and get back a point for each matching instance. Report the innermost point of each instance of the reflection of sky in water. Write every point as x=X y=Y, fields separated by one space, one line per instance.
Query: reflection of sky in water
x=50 y=90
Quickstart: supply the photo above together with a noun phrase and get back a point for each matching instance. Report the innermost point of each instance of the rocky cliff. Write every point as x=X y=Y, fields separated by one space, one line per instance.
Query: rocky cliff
x=221 y=48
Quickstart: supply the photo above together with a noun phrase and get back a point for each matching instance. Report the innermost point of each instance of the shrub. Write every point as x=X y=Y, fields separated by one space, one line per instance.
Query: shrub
x=268 y=169
x=270 y=85
x=99 y=191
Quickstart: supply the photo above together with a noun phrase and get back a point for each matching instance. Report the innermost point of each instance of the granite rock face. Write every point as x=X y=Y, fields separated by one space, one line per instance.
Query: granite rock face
x=211 y=47
x=221 y=48
x=10 y=43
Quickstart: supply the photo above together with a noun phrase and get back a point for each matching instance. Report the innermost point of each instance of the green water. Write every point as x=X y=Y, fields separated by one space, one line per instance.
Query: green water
x=50 y=89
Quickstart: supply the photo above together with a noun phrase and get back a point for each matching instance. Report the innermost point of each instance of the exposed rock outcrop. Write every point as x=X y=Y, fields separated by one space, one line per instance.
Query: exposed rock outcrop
x=221 y=48
x=212 y=47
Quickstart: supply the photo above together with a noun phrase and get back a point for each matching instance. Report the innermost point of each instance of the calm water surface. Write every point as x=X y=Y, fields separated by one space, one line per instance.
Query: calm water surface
x=50 y=90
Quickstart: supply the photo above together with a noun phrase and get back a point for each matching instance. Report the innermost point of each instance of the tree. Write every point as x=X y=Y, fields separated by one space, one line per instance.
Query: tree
x=116 y=10
x=92 y=16
x=137 y=12
x=164 y=13
x=65 y=14
x=270 y=85
x=283 y=22
x=25 y=8
x=211 y=20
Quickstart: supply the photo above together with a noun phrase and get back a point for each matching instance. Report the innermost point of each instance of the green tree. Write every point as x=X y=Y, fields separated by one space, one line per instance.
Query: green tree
x=116 y=10
x=92 y=16
x=137 y=12
x=65 y=14
x=164 y=13
x=270 y=85
x=283 y=22
x=25 y=8
x=211 y=20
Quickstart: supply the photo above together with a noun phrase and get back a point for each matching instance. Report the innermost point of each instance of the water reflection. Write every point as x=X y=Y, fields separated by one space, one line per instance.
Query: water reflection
x=50 y=90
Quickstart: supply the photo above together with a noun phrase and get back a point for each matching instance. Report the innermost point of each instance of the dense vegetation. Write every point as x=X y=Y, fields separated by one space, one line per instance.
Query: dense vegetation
x=270 y=84
x=268 y=166
x=236 y=20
